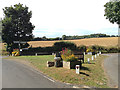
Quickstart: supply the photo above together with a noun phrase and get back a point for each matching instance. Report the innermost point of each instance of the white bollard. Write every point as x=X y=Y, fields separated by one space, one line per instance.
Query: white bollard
x=92 y=58
x=98 y=54
x=77 y=69
x=95 y=56
x=35 y=54
x=84 y=53
x=52 y=53
x=88 y=60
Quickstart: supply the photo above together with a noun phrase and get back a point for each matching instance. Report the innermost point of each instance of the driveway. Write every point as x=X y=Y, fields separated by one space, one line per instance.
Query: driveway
x=111 y=69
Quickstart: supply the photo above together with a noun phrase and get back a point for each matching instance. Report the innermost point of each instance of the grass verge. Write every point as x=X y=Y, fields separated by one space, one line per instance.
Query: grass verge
x=91 y=74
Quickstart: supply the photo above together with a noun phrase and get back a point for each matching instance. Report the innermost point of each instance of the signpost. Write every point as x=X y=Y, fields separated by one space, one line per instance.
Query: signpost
x=20 y=42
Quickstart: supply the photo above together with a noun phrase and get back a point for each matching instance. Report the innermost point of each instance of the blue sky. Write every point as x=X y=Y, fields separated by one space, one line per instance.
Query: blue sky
x=54 y=18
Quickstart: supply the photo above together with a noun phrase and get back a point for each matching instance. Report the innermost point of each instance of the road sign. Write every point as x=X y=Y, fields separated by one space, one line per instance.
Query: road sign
x=20 y=42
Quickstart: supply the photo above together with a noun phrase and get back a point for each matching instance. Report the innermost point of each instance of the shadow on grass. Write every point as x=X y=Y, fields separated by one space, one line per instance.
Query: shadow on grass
x=85 y=68
x=84 y=73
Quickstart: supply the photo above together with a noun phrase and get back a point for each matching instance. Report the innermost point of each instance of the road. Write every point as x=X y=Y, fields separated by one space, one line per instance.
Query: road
x=111 y=69
x=18 y=75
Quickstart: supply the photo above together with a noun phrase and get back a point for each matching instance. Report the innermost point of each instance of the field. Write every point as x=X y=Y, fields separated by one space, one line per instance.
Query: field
x=107 y=42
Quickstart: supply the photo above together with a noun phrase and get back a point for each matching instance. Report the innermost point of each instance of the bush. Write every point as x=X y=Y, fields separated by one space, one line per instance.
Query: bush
x=96 y=48
x=82 y=48
x=59 y=45
x=112 y=50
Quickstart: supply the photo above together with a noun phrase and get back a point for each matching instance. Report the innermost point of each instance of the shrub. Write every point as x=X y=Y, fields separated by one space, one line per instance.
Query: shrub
x=112 y=50
x=82 y=48
x=59 y=45
x=67 y=55
x=96 y=48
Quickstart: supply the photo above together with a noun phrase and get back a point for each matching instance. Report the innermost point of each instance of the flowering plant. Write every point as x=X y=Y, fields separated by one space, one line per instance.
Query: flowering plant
x=16 y=52
x=89 y=50
x=67 y=55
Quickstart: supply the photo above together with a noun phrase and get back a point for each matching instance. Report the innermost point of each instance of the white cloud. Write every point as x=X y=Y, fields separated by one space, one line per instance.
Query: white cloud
x=65 y=16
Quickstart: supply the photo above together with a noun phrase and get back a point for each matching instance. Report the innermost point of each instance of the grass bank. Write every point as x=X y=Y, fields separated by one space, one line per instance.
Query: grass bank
x=90 y=75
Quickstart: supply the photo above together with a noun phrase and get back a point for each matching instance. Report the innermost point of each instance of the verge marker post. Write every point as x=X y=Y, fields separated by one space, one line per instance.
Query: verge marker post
x=84 y=53
x=95 y=56
x=98 y=54
x=92 y=58
x=88 y=61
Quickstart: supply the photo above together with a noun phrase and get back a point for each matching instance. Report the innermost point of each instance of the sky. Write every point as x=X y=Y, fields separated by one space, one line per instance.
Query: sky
x=54 y=18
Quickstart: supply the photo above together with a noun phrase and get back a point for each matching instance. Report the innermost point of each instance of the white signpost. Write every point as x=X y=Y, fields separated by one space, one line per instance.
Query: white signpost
x=77 y=69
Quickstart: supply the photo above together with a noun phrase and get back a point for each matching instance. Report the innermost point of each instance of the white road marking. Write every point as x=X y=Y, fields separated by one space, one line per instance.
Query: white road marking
x=49 y=79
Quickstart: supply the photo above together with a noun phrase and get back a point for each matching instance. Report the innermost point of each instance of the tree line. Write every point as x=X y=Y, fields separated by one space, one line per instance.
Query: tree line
x=64 y=37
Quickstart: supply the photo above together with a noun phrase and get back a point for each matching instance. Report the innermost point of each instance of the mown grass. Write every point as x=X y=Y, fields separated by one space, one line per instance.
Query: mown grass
x=90 y=75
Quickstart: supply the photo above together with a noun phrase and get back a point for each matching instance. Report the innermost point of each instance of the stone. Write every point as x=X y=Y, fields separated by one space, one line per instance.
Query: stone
x=71 y=64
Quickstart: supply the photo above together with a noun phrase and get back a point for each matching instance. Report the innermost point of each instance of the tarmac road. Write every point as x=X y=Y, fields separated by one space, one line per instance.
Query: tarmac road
x=17 y=75
x=111 y=69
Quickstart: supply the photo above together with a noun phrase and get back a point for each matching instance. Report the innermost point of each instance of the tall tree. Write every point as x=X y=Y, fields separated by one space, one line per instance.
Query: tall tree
x=16 y=25
x=112 y=11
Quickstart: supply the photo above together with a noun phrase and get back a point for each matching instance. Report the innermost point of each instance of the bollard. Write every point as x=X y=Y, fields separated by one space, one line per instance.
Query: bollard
x=92 y=58
x=84 y=53
x=98 y=54
x=88 y=60
x=95 y=56
x=35 y=54
x=77 y=69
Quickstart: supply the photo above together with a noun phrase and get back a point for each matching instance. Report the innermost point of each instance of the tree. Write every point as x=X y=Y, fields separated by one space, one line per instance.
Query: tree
x=16 y=25
x=112 y=11
x=64 y=37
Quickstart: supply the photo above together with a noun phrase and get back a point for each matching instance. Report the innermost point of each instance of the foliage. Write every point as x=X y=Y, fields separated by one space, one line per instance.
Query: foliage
x=112 y=11
x=82 y=48
x=67 y=55
x=0 y=29
x=16 y=25
x=89 y=50
x=62 y=44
